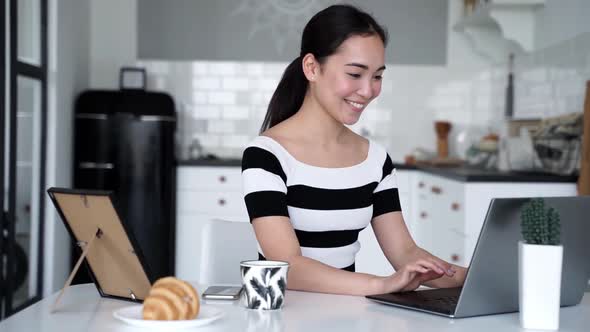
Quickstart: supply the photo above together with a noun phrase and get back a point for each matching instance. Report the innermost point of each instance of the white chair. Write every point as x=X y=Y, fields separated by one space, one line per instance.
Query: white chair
x=224 y=245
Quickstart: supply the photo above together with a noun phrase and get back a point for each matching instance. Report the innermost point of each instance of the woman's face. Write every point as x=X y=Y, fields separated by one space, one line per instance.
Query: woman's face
x=350 y=78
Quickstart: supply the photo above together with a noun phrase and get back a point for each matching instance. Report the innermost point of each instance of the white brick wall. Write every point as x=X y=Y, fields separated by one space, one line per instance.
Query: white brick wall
x=199 y=97
x=235 y=112
x=221 y=127
x=222 y=68
x=221 y=98
x=551 y=81
x=235 y=84
x=207 y=83
x=206 y=112
x=227 y=100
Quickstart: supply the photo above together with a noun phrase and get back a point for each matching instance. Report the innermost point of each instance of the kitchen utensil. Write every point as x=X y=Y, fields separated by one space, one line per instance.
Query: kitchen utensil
x=584 y=179
x=509 y=107
x=442 y=129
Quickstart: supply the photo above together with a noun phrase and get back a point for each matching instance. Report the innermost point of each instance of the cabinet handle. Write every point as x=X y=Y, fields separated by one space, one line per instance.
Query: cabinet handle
x=420 y=184
x=221 y=202
x=436 y=190
x=222 y=179
x=455 y=257
x=423 y=215
x=455 y=206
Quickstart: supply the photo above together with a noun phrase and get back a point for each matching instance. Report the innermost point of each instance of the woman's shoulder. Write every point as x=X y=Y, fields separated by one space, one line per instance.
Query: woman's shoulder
x=264 y=149
x=378 y=153
x=262 y=143
x=378 y=148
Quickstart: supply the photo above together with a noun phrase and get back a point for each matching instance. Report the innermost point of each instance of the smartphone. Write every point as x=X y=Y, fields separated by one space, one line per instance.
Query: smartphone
x=222 y=292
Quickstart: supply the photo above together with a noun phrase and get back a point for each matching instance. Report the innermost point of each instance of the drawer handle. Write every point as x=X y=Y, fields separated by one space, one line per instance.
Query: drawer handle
x=221 y=201
x=455 y=206
x=436 y=190
x=420 y=184
x=222 y=179
x=455 y=258
x=423 y=215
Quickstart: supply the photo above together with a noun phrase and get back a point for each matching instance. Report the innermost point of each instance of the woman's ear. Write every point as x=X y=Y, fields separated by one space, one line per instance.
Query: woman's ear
x=311 y=67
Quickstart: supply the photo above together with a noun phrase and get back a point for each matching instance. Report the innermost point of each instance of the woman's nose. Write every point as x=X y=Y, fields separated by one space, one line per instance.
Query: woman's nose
x=365 y=90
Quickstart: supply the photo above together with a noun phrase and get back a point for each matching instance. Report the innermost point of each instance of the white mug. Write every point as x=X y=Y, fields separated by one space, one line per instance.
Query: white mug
x=264 y=284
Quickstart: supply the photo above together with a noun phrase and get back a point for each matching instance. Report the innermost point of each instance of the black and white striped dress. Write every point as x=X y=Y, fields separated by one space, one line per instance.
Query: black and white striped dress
x=327 y=207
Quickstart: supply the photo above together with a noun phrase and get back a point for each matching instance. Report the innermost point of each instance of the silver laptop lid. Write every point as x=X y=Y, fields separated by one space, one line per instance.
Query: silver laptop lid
x=492 y=282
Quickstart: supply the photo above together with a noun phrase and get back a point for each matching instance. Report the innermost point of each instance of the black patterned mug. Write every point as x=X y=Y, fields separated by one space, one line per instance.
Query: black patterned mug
x=264 y=284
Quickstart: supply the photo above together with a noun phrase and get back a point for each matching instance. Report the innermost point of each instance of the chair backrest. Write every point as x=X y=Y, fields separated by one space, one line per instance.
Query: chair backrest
x=224 y=245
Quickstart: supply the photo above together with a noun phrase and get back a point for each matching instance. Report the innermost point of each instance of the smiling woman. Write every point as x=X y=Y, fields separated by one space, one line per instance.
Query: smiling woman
x=340 y=47
x=311 y=184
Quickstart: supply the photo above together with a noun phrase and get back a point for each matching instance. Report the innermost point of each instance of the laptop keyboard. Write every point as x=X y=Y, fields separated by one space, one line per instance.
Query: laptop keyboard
x=447 y=300
x=436 y=300
x=445 y=305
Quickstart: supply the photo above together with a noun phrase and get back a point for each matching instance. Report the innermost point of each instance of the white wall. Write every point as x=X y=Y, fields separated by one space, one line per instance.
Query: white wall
x=68 y=75
x=113 y=40
x=113 y=43
x=560 y=20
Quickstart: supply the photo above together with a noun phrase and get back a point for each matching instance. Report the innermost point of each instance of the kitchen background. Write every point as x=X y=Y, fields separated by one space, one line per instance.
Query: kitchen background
x=221 y=60
x=220 y=102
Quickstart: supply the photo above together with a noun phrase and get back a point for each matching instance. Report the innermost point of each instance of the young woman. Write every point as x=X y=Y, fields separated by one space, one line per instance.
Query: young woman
x=311 y=184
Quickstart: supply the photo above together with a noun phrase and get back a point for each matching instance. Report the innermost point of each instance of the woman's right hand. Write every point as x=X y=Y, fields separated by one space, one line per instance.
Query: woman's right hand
x=411 y=276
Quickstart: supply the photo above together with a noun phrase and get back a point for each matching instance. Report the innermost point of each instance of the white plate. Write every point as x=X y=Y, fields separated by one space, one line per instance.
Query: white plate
x=132 y=316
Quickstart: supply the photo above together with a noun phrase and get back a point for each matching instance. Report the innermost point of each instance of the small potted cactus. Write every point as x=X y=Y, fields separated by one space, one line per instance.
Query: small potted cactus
x=540 y=257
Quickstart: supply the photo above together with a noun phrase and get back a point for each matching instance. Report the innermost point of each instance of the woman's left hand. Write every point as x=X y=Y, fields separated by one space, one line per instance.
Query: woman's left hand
x=454 y=275
x=448 y=268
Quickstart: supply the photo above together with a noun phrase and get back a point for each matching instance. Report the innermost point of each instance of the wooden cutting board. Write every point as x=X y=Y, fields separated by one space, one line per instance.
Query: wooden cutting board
x=584 y=179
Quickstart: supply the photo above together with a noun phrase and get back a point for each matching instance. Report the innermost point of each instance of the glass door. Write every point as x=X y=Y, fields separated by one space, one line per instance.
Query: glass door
x=24 y=153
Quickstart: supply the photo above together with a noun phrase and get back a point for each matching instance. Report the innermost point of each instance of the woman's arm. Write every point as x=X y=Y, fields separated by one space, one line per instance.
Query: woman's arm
x=400 y=249
x=279 y=242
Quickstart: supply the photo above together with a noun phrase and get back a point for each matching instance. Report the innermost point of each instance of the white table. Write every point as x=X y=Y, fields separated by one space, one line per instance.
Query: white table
x=82 y=309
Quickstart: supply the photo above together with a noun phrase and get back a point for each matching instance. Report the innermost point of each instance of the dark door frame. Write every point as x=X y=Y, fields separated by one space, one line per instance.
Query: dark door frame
x=3 y=105
x=39 y=73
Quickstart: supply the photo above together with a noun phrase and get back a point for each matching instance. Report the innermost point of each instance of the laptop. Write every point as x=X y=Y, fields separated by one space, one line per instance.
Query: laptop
x=491 y=285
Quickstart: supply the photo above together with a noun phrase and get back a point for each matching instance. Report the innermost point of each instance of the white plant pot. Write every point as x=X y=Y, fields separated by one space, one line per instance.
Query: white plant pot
x=539 y=285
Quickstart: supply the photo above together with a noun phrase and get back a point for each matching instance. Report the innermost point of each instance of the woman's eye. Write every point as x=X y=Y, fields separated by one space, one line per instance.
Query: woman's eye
x=354 y=75
x=378 y=77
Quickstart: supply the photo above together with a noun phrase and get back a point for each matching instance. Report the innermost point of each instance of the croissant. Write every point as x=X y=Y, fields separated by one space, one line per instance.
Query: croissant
x=171 y=299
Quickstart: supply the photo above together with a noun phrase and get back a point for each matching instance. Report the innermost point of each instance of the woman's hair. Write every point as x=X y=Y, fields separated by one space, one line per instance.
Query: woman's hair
x=322 y=36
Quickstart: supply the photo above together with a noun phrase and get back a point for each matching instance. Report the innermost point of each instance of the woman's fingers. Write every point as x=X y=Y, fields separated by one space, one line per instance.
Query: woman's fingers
x=431 y=275
x=430 y=265
x=415 y=273
x=446 y=267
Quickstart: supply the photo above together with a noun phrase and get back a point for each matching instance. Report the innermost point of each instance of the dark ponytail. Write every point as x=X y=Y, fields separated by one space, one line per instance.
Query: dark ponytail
x=288 y=96
x=321 y=37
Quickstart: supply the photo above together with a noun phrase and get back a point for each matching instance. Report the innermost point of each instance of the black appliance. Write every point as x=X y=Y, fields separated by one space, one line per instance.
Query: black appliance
x=124 y=142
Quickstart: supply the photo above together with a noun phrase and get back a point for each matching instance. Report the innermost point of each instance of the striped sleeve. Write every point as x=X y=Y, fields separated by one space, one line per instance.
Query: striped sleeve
x=264 y=184
x=386 y=195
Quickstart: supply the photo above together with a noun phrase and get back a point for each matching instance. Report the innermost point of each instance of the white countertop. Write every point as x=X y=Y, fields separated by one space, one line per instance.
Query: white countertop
x=82 y=309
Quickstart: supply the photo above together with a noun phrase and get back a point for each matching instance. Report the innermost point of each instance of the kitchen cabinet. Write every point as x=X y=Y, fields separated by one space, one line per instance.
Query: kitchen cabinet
x=203 y=194
x=439 y=224
x=449 y=214
x=444 y=215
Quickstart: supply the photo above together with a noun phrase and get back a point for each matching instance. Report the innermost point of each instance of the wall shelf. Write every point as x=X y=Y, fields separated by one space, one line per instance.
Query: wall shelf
x=500 y=27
